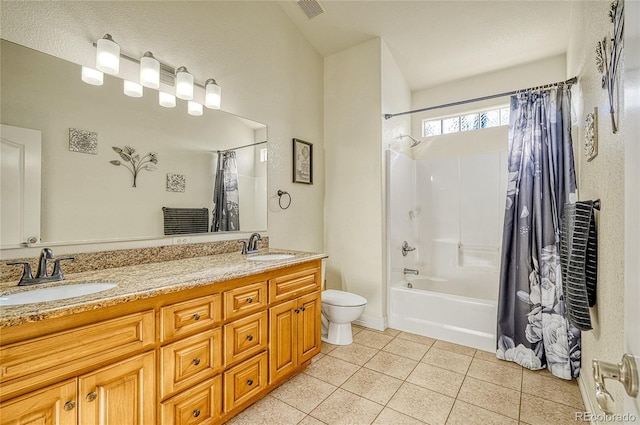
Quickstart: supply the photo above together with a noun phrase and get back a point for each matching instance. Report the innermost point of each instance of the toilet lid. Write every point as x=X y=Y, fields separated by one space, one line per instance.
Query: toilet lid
x=342 y=298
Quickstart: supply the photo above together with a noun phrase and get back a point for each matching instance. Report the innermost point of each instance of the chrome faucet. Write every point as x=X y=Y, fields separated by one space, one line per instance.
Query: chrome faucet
x=42 y=275
x=410 y=271
x=406 y=248
x=251 y=246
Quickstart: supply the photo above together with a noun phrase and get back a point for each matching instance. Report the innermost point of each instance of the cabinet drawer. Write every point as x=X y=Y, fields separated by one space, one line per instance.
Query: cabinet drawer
x=191 y=316
x=190 y=360
x=52 y=405
x=200 y=405
x=63 y=352
x=244 y=381
x=245 y=337
x=246 y=299
x=292 y=285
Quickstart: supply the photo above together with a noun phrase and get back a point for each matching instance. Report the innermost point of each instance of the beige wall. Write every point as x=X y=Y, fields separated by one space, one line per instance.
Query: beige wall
x=601 y=178
x=276 y=80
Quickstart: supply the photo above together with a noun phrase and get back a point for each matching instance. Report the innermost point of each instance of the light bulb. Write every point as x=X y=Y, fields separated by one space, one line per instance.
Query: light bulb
x=132 y=89
x=184 y=84
x=212 y=94
x=167 y=100
x=194 y=108
x=108 y=55
x=149 y=71
x=92 y=76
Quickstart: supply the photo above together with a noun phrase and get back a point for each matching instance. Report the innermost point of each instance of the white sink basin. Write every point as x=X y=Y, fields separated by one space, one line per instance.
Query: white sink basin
x=54 y=293
x=270 y=257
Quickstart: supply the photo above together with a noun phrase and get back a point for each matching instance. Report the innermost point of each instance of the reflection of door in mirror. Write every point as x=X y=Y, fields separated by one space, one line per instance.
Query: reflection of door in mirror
x=20 y=180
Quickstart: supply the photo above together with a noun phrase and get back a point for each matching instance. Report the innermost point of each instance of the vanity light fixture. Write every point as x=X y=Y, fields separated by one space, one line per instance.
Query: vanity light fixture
x=108 y=55
x=132 y=89
x=184 y=84
x=92 y=76
x=212 y=94
x=194 y=108
x=166 y=100
x=149 y=71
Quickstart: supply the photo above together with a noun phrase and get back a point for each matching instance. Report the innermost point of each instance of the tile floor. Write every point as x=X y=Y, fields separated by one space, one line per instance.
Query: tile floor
x=397 y=378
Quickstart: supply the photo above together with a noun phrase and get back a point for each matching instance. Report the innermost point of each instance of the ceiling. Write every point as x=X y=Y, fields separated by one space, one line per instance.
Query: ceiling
x=435 y=42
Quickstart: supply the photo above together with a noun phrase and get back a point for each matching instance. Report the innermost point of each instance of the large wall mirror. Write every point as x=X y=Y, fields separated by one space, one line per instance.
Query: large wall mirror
x=84 y=196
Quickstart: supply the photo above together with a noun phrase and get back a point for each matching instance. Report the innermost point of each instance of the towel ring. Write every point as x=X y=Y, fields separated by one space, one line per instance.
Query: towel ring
x=280 y=194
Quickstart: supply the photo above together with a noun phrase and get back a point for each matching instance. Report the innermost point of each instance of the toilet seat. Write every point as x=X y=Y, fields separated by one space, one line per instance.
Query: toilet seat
x=342 y=298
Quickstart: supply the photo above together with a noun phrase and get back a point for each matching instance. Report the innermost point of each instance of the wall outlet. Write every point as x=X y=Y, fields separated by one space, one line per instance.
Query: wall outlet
x=182 y=240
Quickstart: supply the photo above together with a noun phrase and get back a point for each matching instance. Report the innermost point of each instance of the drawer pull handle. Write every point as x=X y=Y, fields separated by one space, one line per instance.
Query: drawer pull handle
x=249 y=382
x=196 y=361
x=196 y=413
x=196 y=316
x=69 y=405
x=250 y=337
x=92 y=396
x=249 y=300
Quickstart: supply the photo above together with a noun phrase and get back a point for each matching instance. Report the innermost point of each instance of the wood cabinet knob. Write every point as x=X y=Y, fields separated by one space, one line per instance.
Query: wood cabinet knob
x=196 y=361
x=92 y=396
x=249 y=382
x=196 y=316
x=249 y=300
x=302 y=308
x=250 y=337
x=196 y=413
x=297 y=311
x=69 y=405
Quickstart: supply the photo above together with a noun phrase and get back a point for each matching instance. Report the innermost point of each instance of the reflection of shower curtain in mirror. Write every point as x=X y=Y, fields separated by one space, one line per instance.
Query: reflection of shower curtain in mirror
x=226 y=210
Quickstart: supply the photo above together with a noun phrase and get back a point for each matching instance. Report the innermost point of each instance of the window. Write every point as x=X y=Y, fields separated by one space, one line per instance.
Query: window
x=467 y=122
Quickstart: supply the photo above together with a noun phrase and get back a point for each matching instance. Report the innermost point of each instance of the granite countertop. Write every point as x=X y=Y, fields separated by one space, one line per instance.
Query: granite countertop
x=144 y=281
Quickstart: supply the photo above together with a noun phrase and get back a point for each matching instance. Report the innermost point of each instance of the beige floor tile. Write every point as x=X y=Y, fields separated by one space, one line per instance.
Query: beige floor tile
x=468 y=414
x=317 y=357
x=495 y=373
x=304 y=392
x=504 y=401
x=354 y=353
x=436 y=379
x=406 y=348
x=390 y=332
x=372 y=339
x=356 y=328
x=332 y=370
x=416 y=338
x=422 y=404
x=372 y=385
x=268 y=411
x=391 y=417
x=456 y=348
x=391 y=364
x=538 y=411
x=552 y=388
x=310 y=420
x=326 y=348
x=491 y=357
x=343 y=407
x=447 y=360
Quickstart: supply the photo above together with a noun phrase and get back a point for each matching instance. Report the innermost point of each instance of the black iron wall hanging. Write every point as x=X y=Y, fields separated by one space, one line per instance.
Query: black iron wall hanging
x=133 y=162
x=608 y=54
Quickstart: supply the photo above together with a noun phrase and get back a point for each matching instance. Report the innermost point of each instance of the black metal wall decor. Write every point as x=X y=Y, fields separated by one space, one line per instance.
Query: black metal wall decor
x=129 y=156
x=608 y=54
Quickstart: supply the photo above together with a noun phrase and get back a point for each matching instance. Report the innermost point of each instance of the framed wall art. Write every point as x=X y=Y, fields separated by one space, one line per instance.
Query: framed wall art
x=302 y=162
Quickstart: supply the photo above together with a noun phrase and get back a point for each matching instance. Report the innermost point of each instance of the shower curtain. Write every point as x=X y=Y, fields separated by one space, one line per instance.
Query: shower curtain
x=533 y=330
x=226 y=210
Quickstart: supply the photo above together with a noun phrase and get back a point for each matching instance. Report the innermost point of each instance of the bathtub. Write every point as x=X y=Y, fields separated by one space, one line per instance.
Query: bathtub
x=460 y=312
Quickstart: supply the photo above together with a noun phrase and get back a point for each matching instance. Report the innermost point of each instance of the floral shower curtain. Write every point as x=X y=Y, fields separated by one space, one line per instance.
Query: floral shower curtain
x=226 y=210
x=532 y=328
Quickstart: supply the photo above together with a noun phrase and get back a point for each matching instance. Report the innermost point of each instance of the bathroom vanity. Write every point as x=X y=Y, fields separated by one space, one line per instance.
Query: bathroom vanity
x=177 y=342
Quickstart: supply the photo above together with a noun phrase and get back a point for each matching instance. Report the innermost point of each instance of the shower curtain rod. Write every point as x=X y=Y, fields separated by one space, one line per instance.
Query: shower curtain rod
x=245 y=146
x=568 y=82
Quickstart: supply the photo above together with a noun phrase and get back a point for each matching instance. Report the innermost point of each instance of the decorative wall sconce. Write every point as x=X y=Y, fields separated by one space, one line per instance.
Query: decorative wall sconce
x=152 y=73
x=608 y=54
x=133 y=162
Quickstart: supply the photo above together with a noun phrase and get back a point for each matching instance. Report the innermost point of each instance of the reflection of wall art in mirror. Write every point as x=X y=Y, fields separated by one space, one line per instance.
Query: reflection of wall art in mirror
x=591 y=135
x=302 y=162
x=129 y=155
x=83 y=141
x=608 y=54
x=176 y=182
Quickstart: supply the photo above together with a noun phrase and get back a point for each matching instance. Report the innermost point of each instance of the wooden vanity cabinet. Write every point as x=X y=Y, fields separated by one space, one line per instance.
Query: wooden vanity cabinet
x=54 y=405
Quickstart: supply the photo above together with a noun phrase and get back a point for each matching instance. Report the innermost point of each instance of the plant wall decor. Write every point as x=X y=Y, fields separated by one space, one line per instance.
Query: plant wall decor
x=132 y=161
x=608 y=54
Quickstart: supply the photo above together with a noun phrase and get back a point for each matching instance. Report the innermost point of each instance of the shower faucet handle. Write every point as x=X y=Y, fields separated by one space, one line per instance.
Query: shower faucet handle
x=406 y=248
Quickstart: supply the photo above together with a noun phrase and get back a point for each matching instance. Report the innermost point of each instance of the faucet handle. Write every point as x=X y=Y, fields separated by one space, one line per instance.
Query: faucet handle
x=26 y=271
x=57 y=272
x=244 y=247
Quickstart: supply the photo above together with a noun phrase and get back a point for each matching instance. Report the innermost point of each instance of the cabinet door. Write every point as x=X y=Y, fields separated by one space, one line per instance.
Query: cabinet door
x=282 y=341
x=54 y=405
x=122 y=393
x=309 y=330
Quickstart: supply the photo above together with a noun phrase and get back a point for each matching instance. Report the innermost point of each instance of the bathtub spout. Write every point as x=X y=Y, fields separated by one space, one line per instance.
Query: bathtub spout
x=410 y=271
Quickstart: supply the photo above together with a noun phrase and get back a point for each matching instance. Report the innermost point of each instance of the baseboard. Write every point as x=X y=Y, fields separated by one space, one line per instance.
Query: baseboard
x=588 y=402
x=373 y=322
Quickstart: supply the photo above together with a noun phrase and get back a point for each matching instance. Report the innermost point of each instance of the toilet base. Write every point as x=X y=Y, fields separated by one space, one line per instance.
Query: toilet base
x=339 y=334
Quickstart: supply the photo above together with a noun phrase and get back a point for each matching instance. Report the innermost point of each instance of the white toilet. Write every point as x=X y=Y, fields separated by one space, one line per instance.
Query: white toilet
x=339 y=309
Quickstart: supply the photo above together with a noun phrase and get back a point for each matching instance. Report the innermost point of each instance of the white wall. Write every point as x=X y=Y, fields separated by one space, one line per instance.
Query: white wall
x=268 y=72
